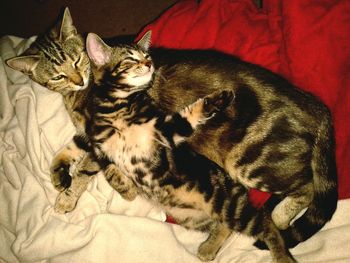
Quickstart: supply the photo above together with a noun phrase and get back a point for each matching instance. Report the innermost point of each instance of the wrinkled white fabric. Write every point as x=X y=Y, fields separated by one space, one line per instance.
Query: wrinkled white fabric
x=104 y=227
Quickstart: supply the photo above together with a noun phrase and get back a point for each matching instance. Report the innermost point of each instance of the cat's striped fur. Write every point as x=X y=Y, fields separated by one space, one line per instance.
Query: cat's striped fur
x=128 y=128
x=277 y=138
x=273 y=130
x=58 y=61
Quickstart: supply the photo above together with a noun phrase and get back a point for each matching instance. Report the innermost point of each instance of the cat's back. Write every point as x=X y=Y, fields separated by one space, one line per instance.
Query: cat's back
x=189 y=74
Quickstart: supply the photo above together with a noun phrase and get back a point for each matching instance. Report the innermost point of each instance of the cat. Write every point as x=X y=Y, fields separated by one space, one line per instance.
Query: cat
x=276 y=138
x=58 y=61
x=279 y=138
x=128 y=128
x=257 y=143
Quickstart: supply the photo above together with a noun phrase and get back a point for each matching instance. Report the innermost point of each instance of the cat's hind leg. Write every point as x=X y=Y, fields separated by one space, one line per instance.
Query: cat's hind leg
x=217 y=236
x=274 y=241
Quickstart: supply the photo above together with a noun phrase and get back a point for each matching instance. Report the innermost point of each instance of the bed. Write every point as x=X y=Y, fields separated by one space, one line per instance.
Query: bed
x=306 y=41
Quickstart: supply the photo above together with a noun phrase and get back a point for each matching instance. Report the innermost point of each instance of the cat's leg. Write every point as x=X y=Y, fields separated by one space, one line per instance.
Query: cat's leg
x=292 y=205
x=64 y=161
x=217 y=236
x=121 y=183
x=184 y=123
x=83 y=174
x=205 y=108
x=67 y=199
x=274 y=241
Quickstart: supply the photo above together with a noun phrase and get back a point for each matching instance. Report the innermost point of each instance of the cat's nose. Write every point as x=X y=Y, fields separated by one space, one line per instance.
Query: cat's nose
x=78 y=80
x=148 y=64
x=81 y=83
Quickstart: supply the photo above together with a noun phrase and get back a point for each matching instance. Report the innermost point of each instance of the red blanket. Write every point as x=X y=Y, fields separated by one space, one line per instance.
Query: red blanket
x=308 y=42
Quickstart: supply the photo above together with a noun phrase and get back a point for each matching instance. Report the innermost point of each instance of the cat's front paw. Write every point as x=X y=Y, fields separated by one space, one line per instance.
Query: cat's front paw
x=60 y=177
x=128 y=194
x=125 y=187
x=217 y=101
x=65 y=202
x=121 y=183
x=206 y=252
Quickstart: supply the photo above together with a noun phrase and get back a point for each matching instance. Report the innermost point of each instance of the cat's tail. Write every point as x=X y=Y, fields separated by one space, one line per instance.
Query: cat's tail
x=324 y=203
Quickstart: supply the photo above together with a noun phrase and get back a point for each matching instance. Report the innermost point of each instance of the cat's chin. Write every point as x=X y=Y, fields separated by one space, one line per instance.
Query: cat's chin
x=142 y=79
x=86 y=84
x=80 y=88
x=124 y=94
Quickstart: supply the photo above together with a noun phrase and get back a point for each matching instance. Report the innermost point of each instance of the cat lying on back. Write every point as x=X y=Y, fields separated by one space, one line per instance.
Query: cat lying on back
x=276 y=138
x=147 y=146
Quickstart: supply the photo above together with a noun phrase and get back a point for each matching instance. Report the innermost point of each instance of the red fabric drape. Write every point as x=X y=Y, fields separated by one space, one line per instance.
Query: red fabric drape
x=308 y=42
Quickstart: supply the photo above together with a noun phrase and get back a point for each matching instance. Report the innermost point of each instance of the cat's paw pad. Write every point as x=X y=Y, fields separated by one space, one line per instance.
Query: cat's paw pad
x=218 y=101
x=65 y=202
x=60 y=177
x=206 y=252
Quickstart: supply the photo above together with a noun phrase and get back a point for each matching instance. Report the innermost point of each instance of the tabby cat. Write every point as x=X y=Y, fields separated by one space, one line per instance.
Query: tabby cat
x=58 y=61
x=148 y=146
x=276 y=138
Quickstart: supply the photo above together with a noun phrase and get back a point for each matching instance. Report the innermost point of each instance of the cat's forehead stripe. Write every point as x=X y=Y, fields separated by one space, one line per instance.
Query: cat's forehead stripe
x=134 y=51
x=60 y=51
x=51 y=50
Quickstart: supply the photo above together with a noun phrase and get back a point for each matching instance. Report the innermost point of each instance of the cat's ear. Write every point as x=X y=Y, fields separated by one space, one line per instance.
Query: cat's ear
x=64 y=27
x=99 y=52
x=67 y=28
x=25 y=64
x=145 y=41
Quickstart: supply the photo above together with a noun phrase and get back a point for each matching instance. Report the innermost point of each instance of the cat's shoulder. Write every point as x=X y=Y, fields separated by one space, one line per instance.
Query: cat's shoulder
x=190 y=55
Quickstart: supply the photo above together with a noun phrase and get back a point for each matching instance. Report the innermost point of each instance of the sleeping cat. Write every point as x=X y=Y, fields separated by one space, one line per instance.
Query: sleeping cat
x=128 y=128
x=57 y=60
x=276 y=138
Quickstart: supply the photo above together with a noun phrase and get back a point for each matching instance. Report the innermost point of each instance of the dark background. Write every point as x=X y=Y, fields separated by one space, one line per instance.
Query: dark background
x=107 y=18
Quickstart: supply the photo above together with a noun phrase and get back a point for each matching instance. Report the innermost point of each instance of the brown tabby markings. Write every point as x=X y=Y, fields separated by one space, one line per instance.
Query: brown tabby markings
x=128 y=128
x=274 y=138
x=271 y=139
x=58 y=61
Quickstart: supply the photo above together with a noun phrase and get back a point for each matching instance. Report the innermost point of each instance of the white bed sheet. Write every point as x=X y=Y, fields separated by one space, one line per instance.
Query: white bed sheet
x=103 y=228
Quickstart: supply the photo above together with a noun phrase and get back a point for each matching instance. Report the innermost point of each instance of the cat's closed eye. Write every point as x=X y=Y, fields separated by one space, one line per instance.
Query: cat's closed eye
x=58 y=77
x=128 y=64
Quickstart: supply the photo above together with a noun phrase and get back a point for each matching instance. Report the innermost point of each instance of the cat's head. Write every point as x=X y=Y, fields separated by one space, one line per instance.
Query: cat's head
x=57 y=60
x=129 y=68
